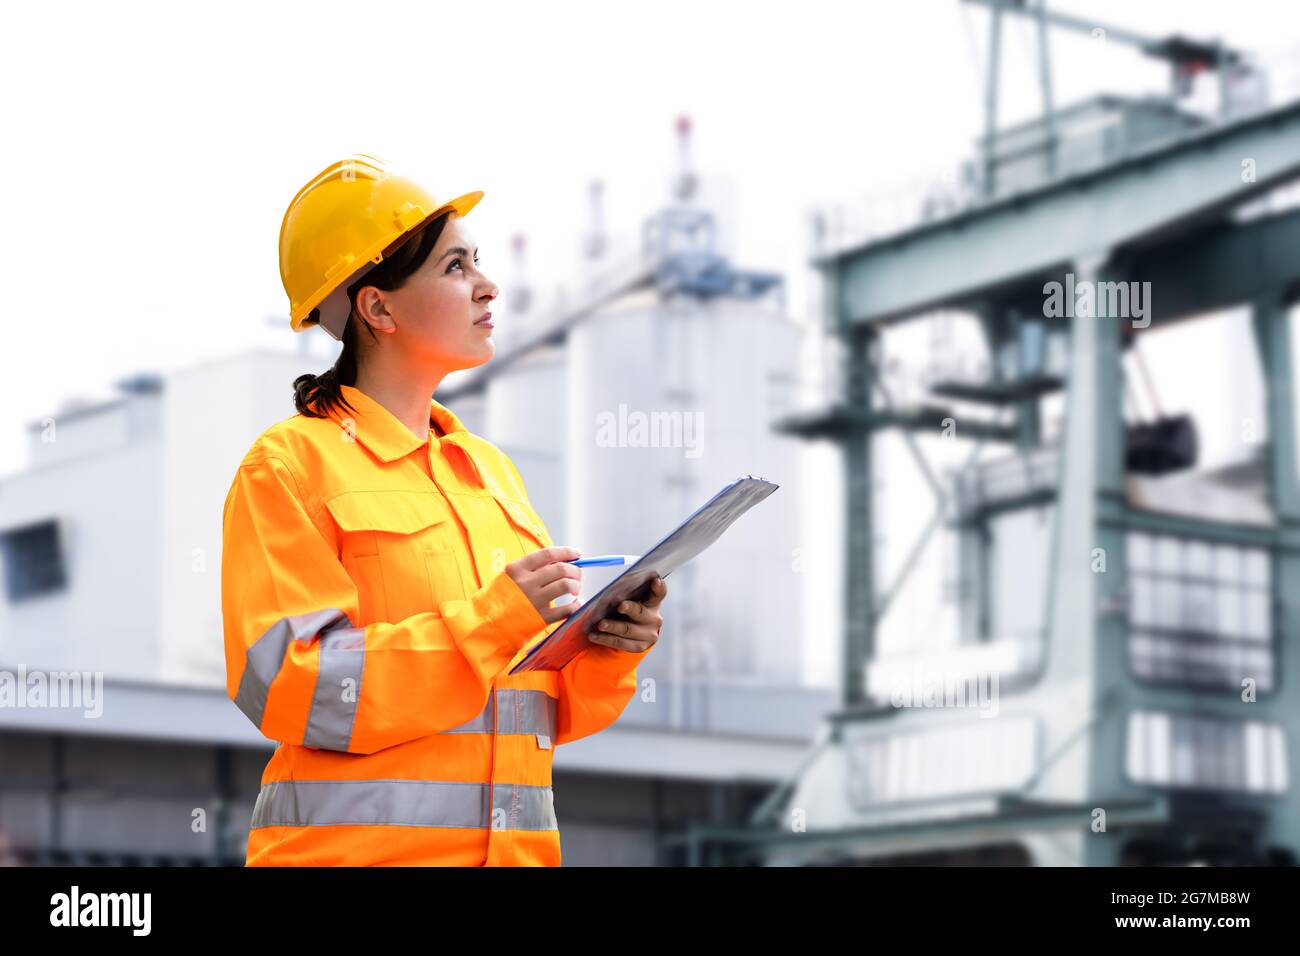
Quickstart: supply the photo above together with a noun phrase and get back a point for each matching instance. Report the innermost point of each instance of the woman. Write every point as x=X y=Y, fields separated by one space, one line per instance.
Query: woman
x=383 y=569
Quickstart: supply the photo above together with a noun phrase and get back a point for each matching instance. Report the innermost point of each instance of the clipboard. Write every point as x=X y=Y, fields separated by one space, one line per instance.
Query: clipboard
x=683 y=543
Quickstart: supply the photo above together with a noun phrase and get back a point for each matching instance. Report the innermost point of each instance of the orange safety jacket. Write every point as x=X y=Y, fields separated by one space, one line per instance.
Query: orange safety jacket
x=369 y=629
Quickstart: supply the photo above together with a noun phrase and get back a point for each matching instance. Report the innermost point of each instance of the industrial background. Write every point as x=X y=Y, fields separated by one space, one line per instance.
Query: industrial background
x=1026 y=595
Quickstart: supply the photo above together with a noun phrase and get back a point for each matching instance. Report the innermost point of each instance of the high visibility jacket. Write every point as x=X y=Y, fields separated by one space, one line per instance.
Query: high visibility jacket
x=369 y=629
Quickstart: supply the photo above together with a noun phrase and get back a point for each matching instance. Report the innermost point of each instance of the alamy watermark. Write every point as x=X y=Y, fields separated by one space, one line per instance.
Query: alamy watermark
x=661 y=429
x=75 y=908
x=1114 y=300
x=53 y=690
x=925 y=688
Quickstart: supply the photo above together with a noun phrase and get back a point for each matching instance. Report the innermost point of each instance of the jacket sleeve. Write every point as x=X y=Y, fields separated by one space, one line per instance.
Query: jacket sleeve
x=594 y=688
x=299 y=667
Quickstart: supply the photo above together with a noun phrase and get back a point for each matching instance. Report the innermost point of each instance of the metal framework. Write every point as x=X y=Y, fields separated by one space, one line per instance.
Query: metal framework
x=1167 y=215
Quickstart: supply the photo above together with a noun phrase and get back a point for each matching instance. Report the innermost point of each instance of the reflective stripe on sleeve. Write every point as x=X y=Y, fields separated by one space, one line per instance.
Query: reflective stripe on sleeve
x=338 y=684
x=338 y=688
x=519 y=711
x=406 y=803
x=264 y=657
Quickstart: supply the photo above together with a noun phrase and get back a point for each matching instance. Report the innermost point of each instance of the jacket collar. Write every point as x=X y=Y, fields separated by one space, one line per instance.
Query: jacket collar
x=384 y=434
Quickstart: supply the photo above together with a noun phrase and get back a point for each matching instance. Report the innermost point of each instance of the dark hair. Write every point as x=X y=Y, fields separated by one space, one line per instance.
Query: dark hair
x=316 y=395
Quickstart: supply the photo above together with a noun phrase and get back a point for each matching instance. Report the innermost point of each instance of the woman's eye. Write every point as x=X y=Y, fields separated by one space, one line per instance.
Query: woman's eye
x=456 y=262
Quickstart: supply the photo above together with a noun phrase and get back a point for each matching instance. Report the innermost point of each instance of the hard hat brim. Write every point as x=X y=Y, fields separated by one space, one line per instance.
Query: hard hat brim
x=329 y=306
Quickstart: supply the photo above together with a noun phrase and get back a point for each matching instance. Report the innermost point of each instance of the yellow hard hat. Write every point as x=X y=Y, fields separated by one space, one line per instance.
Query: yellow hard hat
x=338 y=228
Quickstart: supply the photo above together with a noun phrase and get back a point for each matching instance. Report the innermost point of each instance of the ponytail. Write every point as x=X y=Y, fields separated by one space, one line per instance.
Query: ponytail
x=317 y=395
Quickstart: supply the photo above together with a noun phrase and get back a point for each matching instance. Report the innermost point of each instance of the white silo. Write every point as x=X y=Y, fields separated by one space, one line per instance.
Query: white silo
x=652 y=439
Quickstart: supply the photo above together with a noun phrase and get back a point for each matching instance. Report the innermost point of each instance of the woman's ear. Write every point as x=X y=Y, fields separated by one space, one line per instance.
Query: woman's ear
x=372 y=310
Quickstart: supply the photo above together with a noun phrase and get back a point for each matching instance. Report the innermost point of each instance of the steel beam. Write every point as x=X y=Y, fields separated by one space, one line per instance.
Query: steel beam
x=1179 y=185
x=1272 y=322
x=860 y=568
x=1014 y=818
x=1221 y=268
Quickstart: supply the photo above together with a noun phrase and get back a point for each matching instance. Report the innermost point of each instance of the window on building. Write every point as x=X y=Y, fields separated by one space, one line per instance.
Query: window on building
x=977 y=757
x=33 y=561
x=1209 y=753
x=1200 y=612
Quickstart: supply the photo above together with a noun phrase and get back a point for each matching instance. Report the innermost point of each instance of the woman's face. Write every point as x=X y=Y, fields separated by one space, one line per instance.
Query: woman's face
x=435 y=310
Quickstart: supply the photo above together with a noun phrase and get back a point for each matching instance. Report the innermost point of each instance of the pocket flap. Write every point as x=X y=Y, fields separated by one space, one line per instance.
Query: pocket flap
x=399 y=512
x=525 y=519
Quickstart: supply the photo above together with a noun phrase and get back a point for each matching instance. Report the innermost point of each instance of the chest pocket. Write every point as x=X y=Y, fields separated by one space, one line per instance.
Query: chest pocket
x=402 y=548
x=528 y=527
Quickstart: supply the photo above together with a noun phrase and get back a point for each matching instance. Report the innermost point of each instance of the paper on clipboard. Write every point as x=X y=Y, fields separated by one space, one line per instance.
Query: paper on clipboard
x=685 y=541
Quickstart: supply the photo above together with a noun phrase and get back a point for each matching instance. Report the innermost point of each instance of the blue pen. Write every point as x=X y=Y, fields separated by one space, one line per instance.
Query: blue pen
x=605 y=560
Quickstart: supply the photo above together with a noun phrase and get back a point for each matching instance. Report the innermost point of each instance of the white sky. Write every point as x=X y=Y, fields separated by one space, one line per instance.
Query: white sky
x=153 y=147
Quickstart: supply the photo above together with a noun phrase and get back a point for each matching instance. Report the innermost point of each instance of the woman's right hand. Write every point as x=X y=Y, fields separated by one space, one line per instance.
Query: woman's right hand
x=544 y=576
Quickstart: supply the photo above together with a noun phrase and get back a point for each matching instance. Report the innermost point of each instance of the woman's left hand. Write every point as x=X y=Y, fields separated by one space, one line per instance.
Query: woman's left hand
x=642 y=631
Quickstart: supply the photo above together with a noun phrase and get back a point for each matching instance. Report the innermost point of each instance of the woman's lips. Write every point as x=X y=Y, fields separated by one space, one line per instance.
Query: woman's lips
x=486 y=321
